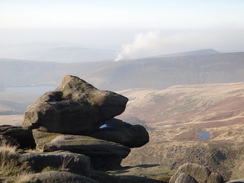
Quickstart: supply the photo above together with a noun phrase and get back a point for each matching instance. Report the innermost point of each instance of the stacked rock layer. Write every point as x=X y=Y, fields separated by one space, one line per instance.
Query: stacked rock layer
x=79 y=118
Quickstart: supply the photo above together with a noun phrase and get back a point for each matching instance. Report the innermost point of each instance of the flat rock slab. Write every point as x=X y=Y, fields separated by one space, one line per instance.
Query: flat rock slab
x=116 y=130
x=59 y=176
x=75 y=107
x=71 y=162
x=41 y=138
x=104 y=154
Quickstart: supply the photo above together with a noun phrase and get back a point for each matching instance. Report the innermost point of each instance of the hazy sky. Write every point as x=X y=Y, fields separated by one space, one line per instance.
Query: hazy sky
x=161 y=25
x=154 y=14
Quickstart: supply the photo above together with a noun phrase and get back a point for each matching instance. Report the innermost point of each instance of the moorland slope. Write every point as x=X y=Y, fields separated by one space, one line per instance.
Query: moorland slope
x=154 y=72
x=175 y=116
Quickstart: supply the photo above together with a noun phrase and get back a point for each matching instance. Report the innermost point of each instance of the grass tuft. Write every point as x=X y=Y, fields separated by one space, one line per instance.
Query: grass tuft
x=10 y=169
x=24 y=178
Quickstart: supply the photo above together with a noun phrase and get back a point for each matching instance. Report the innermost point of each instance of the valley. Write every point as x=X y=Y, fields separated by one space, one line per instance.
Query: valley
x=177 y=114
x=175 y=97
x=174 y=117
x=155 y=72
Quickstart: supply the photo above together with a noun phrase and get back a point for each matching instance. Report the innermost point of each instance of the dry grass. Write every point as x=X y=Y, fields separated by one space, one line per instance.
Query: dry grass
x=10 y=169
x=23 y=178
x=8 y=155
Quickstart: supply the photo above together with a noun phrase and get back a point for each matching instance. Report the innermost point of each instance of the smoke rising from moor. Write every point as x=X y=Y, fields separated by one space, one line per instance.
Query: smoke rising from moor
x=156 y=43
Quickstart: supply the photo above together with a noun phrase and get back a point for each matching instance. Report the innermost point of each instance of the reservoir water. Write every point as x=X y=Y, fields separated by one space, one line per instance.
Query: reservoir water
x=204 y=135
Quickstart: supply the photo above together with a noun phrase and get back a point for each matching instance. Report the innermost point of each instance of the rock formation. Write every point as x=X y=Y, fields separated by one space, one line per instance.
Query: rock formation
x=75 y=137
x=200 y=174
x=75 y=107
x=59 y=176
x=104 y=155
x=116 y=130
x=22 y=137
x=65 y=128
x=185 y=178
x=64 y=159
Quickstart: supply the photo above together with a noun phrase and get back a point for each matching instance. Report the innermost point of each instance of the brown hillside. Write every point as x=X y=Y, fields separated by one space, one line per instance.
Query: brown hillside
x=153 y=72
x=177 y=113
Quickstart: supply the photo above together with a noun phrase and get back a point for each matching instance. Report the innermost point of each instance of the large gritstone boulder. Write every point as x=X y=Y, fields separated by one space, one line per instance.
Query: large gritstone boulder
x=75 y=107
x=116 y=130
x=65 y=161
x=200 y=173
x=185 y=178
x=104 y=155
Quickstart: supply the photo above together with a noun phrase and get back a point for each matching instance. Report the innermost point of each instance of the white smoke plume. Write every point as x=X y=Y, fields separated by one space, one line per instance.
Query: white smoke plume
x=144 y=45
x=156 y=43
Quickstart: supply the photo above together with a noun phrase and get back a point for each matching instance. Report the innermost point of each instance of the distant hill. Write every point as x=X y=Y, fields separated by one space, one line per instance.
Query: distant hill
x=155 y=72
x=73 y=54
x=56 y=52
x=15 y=103
x=177 y=114
x=195 y=52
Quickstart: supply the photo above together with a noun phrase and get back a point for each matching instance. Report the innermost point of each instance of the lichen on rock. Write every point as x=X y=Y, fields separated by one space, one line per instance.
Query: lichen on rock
x=75 y=107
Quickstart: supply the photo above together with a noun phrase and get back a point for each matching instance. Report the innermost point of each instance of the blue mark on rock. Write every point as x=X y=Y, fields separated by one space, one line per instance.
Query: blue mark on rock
x=103 y=126
x=204 y=135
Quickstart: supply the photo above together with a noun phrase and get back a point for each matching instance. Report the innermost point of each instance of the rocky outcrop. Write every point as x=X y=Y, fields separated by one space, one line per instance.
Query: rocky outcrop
x=75 y=134
x=185 y=178
x=59 y=176
x=215 y=177
x=65 y=161
x=104 y=154
x=75 y=107
x=65 y=128
x=200 y=173
x=41 y=138
x=116 y=130
x=21 y=137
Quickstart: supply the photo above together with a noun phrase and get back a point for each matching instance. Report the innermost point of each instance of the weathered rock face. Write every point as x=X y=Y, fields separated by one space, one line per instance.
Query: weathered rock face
x=185 y=178
x=64 y=126
x=116 y=130
x=20 y=137
x=6 y=140
x=75 y=107
x=200 y=173
x=215 y=177
x=75 y=163
x=42 y=138
x=104 y=155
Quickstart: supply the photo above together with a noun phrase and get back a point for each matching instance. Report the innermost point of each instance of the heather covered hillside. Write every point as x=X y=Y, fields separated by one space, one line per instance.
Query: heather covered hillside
x=196 y=123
